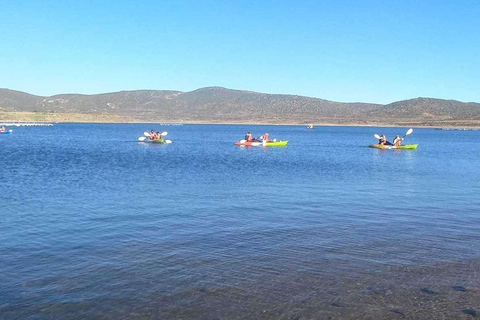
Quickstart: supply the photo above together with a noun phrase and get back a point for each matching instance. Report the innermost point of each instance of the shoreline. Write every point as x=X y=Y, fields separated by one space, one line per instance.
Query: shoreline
x=118 y=119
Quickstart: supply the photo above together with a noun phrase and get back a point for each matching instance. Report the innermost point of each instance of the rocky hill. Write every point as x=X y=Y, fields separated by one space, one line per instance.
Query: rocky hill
x=216 y=104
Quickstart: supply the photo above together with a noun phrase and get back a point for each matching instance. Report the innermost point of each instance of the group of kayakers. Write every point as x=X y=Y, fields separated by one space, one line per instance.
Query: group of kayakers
x=396 y=142
x=155 y=135
x=382 y=139
x=249 y=137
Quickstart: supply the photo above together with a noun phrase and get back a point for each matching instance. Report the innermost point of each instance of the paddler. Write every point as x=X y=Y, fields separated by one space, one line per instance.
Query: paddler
x=383 y=141
x=266 y=137
x=397 y=141
x=158 y=136
x=249 y=136
x=152 y=135
x=3 y=129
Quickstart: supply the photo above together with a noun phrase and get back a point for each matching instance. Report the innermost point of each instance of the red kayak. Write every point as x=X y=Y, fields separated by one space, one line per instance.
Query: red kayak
x=248 y=143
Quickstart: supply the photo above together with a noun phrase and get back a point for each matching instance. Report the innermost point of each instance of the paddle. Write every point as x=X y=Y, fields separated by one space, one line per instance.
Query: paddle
x=409 y=131
x=380 y=137
x=163 y=134
x=146 y=134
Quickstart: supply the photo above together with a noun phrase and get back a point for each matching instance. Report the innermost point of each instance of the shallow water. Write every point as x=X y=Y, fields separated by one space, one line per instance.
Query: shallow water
x=98 y=225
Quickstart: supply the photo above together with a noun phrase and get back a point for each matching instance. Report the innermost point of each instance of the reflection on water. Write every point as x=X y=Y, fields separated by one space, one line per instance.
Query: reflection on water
x=97 y=225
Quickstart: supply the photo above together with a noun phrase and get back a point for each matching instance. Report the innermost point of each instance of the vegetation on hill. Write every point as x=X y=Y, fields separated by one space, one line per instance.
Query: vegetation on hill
x=221 y=105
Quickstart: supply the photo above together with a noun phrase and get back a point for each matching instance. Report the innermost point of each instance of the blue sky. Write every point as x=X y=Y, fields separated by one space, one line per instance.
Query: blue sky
x=367 y=51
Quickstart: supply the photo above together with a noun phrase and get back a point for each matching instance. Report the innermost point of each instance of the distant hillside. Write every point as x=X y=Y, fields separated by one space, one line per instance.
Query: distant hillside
x=216 y=104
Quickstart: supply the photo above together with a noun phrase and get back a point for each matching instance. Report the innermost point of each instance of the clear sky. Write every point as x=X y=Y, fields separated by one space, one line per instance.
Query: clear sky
x=342 y=50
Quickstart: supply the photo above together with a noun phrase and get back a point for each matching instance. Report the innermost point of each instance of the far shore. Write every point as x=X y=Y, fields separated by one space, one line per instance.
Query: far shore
x=108 y=118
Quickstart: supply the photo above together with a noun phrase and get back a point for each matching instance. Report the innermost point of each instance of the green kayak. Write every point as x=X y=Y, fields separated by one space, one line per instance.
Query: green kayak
x=158 y=141
x=404 y=147
x=281 y=143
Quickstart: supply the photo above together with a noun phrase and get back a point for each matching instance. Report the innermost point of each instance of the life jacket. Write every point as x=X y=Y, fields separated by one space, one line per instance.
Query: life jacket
x=266 y=137
x=249 y=137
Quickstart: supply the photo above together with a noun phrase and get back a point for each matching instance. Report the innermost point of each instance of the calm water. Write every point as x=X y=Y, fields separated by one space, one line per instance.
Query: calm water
x=98 y=225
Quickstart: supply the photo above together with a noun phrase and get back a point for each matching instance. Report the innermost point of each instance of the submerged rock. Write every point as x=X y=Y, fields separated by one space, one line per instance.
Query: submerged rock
x=459 y=288
x=337 y=305
x=426 y=290
x=397 y=312
x=470 y=312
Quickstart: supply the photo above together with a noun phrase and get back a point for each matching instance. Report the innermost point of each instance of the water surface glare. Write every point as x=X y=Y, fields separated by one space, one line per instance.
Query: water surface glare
x=95 y=224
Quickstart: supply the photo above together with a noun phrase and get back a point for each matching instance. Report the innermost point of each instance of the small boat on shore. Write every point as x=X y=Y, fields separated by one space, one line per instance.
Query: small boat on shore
x=310 y=126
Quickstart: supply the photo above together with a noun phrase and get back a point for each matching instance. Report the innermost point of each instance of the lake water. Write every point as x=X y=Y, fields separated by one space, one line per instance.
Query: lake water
x=94 y=224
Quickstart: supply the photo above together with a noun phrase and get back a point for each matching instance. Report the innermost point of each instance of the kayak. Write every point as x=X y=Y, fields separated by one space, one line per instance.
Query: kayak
x=160 y=141
x=281 y=143
x=6 y=132
x=404 y=147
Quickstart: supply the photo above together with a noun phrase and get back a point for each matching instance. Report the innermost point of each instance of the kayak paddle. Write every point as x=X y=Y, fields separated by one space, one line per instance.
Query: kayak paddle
x=163 y=134
x=408 y=132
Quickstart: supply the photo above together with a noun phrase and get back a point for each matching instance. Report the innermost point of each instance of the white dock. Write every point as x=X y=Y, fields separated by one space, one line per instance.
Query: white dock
x=25 y=124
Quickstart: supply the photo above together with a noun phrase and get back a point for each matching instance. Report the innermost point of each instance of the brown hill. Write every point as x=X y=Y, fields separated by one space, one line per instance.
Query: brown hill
x=216 y=104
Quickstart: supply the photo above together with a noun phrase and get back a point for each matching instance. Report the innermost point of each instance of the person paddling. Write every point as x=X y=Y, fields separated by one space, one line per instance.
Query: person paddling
x=266 y=137
x=158 y=136
x=397 y=141
x=152 y=135
x=249 y=137
x=383 y=141
x=3 y=129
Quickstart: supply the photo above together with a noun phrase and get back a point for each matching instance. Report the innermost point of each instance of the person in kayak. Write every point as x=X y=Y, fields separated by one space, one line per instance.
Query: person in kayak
x=249 y=137
x=152 y=135
x=397 y=141
x=266 y=137
x=3 y=129
x=158 y=136
x=383 y=141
